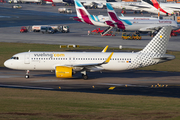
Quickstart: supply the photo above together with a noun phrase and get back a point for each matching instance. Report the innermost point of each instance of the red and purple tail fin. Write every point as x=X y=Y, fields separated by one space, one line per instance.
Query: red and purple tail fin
x=113 y=17
x=82 y=13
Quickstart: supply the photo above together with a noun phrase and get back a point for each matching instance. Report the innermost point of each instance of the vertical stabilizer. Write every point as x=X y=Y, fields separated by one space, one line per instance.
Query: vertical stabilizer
x=159 y=43
x=155 y=4
x=111 y=13
x=82 y=13
x=113 y=17
x=155 y=51
x=80 y=10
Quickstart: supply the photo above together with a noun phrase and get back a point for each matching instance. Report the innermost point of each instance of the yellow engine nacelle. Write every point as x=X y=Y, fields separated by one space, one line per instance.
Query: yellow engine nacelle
x=63 y=72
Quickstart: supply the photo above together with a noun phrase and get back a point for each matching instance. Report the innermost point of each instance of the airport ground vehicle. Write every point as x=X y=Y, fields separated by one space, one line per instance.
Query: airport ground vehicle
x=126 y=36
x=16 y=6
x=47 y=30
x=134 y=36
x=175 y=32
x=13 y=1
x=23 y=29
x=97 y=31
x=64 y=29
x=64 y=10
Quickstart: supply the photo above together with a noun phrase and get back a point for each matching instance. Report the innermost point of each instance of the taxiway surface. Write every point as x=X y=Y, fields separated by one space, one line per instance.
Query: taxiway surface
x=132 y=82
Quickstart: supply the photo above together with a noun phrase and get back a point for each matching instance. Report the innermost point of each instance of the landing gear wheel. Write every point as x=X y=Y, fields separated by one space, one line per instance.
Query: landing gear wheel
x=85 y=77
x=26 y=76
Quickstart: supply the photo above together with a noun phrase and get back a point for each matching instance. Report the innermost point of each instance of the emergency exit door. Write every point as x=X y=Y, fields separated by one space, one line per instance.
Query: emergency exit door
x=27 y=59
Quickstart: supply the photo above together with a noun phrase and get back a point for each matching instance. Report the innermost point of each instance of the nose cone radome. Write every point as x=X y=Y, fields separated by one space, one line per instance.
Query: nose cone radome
x=7 y=63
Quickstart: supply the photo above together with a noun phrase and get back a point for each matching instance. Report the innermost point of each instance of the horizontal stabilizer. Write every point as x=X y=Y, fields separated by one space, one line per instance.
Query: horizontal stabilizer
x=165 y=57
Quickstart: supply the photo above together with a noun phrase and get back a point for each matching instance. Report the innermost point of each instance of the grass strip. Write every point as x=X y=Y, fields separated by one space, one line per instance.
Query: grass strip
x=41 y=104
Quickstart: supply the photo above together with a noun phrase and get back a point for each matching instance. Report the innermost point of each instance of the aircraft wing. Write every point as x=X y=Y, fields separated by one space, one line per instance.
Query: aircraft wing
x=150 y=28
x=139 y=6
x=166 y=57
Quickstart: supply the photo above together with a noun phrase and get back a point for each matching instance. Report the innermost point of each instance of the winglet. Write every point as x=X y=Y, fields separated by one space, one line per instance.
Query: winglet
x=105 y=49
x=109 y=58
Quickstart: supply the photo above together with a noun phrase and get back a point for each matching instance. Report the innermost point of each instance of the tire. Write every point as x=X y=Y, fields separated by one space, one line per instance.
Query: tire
x=85 y=77
x=26 y=76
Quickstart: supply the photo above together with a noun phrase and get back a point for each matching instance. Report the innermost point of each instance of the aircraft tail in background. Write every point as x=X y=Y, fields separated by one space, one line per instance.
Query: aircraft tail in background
x=155 y=4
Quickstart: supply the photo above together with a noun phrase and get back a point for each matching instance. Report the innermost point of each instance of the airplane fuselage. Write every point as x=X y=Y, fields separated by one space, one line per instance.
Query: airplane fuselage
x=137 y=23
x=49 y=60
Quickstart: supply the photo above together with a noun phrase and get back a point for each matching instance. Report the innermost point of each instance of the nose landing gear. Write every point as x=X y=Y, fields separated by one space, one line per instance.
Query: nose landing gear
x=27 y=74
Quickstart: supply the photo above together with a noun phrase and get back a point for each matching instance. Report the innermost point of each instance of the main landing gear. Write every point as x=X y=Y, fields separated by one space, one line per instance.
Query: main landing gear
x=27 y=74
x=84 y=75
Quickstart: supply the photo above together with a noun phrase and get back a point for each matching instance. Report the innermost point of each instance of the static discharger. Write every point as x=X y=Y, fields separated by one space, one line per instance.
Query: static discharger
x=111 y=88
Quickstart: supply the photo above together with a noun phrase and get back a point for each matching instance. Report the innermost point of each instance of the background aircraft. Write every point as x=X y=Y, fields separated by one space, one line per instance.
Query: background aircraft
x=66 y=64
x=86 y=3
x=91 y=3
x=151 y=6
x=123 y=23
x=164 y=8
x=136 y=6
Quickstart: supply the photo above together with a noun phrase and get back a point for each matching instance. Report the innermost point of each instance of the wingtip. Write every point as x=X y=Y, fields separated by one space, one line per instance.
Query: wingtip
x=109 y=58
x=105 y=49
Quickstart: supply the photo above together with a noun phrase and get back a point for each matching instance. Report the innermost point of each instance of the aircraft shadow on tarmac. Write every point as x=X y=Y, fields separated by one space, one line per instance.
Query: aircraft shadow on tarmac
x=120 y=89
x=121 y=74
x=145 y=91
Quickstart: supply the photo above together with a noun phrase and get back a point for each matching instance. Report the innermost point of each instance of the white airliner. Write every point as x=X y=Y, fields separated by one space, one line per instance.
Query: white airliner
x=164 y=8
x=94 y=3
x=125 y=23
x=151 y=6
x=66 y=64
x=87 y=3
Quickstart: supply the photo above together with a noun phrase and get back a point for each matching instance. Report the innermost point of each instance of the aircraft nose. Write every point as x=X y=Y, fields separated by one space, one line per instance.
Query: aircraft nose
x=7 y=63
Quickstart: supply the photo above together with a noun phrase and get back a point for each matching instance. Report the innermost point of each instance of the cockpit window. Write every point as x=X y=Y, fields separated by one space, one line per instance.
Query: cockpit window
x=15 y=58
